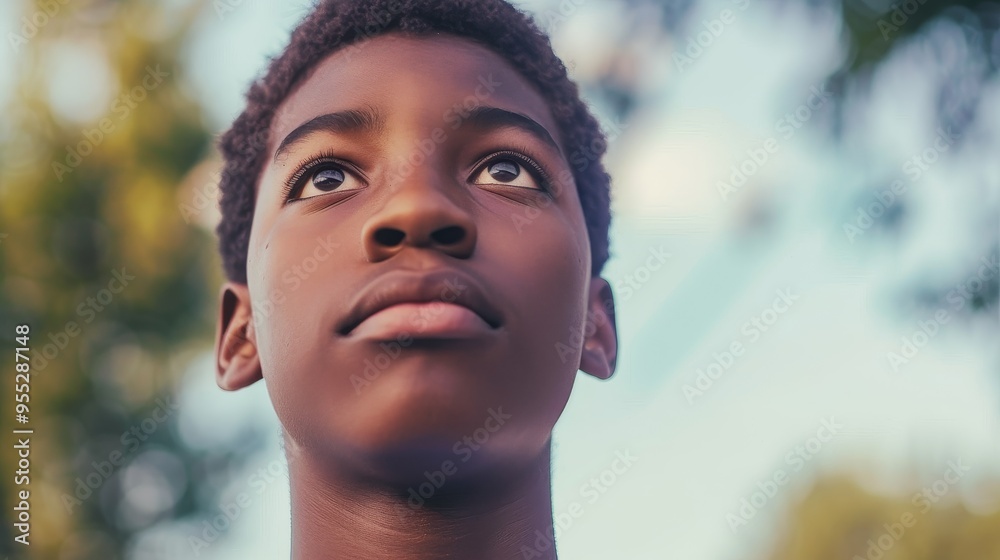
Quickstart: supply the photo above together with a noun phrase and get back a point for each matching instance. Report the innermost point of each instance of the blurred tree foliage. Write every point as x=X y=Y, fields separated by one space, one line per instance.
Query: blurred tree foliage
x=875 y=28
x=872 y=31
x=97 y=258
x=839 y=520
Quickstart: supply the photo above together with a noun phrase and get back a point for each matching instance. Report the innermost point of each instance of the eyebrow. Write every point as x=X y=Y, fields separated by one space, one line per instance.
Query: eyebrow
x=341 y=122
x=372 y=122
x=495 y=117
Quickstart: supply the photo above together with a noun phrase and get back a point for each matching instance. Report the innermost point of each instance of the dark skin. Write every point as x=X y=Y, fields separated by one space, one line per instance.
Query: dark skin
x=472 y=400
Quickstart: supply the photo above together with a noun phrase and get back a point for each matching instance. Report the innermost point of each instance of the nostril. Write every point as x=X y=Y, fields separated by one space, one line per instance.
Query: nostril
x=449 y=235
x=389 y=237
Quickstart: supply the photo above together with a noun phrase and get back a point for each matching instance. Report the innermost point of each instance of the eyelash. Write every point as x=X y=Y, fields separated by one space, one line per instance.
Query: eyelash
x=294 y=183
x=517 y=155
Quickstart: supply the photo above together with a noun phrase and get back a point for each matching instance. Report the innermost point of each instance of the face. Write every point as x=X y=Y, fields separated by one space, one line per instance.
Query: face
x=418 y=273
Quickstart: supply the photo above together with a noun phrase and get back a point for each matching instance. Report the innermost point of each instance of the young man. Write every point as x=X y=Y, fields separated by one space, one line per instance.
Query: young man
x=414 y=270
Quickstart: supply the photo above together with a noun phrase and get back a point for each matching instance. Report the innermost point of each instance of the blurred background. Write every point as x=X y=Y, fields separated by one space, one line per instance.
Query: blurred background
x=805 y=257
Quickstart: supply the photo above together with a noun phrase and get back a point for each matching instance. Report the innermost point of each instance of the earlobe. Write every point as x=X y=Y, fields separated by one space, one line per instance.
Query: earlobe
x=600 y=343
x=237 y=362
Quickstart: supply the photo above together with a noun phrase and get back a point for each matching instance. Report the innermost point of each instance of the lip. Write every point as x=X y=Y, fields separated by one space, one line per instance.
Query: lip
x=444 y=303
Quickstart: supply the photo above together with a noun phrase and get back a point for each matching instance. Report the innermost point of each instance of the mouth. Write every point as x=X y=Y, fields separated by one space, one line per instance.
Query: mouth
x=444 y=303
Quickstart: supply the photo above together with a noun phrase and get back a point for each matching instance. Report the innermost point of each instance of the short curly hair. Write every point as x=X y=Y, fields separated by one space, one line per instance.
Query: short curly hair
x=336 y=24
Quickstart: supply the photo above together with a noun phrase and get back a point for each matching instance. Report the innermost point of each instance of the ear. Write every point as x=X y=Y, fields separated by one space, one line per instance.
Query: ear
x=237 y=364
x=600 y=345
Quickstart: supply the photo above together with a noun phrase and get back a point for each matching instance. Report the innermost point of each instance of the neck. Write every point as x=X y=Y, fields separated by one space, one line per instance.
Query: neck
x=335 y=515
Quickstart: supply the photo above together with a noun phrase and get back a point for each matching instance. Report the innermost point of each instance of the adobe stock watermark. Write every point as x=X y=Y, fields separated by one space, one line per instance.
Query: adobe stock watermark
x=293 y=277
x=796 y=458
x=550 y=19
x=753 y=329
x=453 y=117
x=964 y=291
x=958 y=297
x=32 y=24
x=569 y=349
x=87 y=310
x=391 y=350
x=914 y=169
x=900 y=14
x=611 y=131
x=580 y=159
x=593 y=490
x=705 y=38
x=223 y=7
x=131 y=440
x=463 y=450
x=213 y=529
x=122 y=107
x=787 y=127
x=205 y=197
x=911 y=344
x=894 y=531
x=635 y=280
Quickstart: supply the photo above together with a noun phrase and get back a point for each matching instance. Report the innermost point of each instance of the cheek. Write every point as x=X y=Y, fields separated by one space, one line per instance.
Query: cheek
x=547 y=281
x=293 y=292
x=554 y=253
x=291 y=271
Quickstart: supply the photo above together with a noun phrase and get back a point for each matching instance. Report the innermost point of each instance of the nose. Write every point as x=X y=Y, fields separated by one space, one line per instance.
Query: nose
x=419 y=214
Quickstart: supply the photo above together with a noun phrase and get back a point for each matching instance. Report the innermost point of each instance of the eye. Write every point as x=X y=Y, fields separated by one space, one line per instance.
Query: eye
x=321 y=177
x=507 y=171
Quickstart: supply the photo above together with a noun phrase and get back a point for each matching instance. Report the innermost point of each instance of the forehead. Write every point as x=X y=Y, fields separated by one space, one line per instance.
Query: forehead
x=429 y=79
